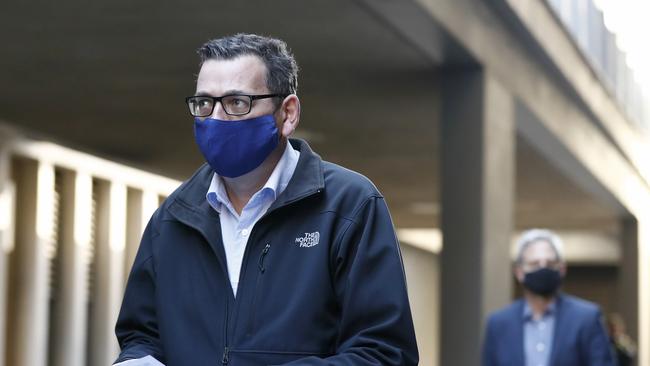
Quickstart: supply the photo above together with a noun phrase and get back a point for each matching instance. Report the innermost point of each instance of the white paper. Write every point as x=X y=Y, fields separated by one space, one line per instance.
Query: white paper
x=144 y=361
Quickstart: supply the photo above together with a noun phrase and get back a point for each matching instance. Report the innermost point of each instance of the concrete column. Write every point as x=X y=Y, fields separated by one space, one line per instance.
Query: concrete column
x=478 y=185
x=29 y=294
x=643 y=287
x=141 y=205
x=628 y=281
x=108 y=288
x=7 y=214
x=71 y=310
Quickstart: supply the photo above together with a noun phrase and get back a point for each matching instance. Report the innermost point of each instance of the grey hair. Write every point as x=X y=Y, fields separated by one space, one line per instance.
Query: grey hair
x=282 y=69
x=533 y=235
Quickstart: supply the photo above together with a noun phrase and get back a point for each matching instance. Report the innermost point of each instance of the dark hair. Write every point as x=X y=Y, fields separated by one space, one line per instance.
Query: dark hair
x=282 y=69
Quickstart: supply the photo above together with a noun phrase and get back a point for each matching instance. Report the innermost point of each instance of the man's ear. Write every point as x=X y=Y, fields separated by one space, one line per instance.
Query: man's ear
x=289 y=115
x=519 y=274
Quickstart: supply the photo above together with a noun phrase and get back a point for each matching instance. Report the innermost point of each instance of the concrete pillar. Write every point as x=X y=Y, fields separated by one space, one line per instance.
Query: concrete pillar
x=108 y=287
x=141 y=205
x=29 y=294
x=643 y=287
x=478 y=185
x=628 y=281
x=71 y=311
x=7 y=214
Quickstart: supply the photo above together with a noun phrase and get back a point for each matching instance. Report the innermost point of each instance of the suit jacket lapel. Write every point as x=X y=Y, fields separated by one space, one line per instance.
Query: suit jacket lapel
x=558 y=330
x=518 y=350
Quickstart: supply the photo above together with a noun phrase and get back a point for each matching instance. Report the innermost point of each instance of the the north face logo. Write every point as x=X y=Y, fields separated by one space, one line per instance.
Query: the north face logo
x=309 y=240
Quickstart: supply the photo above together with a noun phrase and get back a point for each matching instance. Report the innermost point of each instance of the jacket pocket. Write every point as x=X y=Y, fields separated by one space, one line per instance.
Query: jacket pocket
x=261 y=266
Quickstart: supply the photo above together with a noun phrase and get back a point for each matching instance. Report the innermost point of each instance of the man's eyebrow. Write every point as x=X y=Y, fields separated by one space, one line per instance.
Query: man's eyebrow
x=235 y=91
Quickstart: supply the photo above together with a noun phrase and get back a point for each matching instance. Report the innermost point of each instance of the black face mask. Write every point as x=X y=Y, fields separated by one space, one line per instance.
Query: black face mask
x=544 y=281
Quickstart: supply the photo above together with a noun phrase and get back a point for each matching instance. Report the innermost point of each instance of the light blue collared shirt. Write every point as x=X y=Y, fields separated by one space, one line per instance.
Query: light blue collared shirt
x=538 y=336
x=235 y=228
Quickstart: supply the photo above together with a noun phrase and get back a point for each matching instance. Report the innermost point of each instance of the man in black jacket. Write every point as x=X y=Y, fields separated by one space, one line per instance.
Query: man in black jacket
x=267 y=254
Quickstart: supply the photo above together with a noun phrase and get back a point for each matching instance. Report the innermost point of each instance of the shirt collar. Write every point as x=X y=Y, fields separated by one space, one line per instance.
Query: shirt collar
x=276 y=184
x=528 y=312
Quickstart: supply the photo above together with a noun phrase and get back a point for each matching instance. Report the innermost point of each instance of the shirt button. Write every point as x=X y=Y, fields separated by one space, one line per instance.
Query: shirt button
x=540 y=347
x=245 y=232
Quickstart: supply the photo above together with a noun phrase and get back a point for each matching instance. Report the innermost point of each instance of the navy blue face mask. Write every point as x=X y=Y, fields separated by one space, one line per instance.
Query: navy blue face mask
x=544 y=281
x=234 y=148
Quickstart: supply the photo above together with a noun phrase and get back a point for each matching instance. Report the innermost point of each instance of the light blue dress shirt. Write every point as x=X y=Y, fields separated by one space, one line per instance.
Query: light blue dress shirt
x=538 y=336
x=236 y=228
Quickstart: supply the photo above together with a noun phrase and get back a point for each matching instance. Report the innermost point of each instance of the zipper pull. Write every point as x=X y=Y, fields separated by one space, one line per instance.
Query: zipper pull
x=264 y=252
x=224 y=360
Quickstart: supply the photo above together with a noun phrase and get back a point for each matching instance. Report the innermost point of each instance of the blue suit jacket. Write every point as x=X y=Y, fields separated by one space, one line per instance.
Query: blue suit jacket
x=579 y=337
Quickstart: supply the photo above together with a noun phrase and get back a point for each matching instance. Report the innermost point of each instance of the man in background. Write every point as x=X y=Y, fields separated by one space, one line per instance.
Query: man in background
x=545 y=327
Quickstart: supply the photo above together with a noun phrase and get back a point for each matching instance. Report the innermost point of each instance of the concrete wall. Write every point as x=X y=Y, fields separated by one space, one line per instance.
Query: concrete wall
x=423 y=276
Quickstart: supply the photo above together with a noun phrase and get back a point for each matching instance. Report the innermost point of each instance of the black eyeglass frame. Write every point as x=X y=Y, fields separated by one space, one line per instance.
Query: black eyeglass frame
x=218 y=99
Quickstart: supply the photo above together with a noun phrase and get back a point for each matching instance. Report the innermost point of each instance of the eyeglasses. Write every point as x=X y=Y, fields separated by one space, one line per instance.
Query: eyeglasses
x=233 y=104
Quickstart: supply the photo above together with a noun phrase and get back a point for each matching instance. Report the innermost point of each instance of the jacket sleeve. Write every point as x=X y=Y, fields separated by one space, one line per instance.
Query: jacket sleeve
x=596 y=343
x=137 y=325
x=376 y=327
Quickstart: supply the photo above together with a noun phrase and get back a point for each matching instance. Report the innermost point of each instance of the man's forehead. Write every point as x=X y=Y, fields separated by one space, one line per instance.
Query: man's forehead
x=240 y=73
x=539 y=247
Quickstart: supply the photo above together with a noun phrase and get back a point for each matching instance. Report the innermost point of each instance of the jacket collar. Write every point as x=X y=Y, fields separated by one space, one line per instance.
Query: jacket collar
x=190 y=205
x=527 y=313
x=558 y=332
x=307 y=179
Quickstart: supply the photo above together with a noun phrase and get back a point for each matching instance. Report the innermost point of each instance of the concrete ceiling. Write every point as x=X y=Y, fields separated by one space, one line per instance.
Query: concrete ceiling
x=110 y=77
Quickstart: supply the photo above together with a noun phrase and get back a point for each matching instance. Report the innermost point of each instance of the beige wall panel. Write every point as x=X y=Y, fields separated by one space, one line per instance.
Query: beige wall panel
x=108 y=269
x=70 y=316
x=141 y=205
x=30 y=267
x=643 y=287
x=7 y=213
x=423 y=277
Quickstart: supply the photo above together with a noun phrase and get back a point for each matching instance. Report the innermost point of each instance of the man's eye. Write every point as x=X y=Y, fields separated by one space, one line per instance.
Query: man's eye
x=238 y=102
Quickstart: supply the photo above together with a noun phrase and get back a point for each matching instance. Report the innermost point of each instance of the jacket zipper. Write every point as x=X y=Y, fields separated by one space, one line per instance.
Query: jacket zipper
x=225 y=359
x=264 y=253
